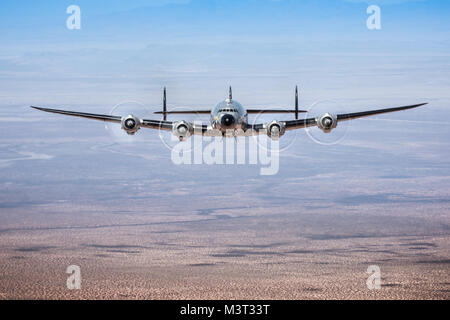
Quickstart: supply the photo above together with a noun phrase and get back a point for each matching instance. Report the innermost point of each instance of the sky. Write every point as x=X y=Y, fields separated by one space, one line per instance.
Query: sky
x=129 y=50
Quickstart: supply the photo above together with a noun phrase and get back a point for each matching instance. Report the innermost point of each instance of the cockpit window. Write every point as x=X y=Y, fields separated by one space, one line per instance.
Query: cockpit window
x=226 y=106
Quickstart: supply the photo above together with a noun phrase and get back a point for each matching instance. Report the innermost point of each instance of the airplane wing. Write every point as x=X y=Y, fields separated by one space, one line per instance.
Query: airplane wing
x=145 y=123
x=304 y=123
x=184 y=129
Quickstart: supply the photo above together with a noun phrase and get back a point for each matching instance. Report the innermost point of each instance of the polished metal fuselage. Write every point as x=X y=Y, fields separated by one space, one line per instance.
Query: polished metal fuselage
x=229 y=117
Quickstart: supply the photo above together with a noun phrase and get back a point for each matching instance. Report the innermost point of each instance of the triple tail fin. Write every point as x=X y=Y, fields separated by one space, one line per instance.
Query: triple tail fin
x=165 y=104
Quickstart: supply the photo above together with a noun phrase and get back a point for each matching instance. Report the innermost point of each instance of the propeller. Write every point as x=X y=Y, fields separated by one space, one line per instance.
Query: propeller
x=327 y=131
x=128 y=132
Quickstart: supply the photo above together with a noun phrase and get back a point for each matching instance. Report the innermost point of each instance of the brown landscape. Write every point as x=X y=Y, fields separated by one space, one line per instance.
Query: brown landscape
x=233 y=258
x=232 y=252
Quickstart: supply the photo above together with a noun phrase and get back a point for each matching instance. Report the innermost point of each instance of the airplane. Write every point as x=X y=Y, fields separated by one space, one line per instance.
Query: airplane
x=229 y=119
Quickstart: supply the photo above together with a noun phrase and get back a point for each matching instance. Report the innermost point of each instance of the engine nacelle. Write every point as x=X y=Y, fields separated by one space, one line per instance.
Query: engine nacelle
x=327 y=122
x=182 y=130
x=275 y=130
x=131 y=124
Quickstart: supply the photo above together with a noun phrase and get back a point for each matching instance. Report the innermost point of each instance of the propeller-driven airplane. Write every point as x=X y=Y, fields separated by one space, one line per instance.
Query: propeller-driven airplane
x=229 y=119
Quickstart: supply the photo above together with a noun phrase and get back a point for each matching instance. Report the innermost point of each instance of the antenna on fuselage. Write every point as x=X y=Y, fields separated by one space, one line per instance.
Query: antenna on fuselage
x=165 y=105
x=296 y=102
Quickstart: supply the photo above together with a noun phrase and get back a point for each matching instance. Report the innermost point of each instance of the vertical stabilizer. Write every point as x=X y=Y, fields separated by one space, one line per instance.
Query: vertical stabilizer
x=165 y=105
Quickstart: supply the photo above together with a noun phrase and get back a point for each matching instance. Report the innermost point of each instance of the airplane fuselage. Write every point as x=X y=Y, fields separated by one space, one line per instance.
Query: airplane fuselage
x=229 y=116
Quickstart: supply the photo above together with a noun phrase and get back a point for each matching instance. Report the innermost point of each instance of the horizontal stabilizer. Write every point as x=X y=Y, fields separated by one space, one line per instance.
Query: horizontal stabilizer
x=185 y=112
x=254 y=111
x=249 y=111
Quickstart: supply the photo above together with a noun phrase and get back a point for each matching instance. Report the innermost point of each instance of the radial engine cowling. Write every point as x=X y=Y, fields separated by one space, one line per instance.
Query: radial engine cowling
x=275 y=130
x=131 y=124
x=327 y=122
x=182 y=130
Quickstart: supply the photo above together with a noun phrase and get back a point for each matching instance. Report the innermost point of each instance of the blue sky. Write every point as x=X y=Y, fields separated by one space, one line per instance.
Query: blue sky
x=131 y=49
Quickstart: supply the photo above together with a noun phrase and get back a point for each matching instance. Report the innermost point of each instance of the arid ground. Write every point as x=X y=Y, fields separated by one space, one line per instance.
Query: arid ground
x=235 y=253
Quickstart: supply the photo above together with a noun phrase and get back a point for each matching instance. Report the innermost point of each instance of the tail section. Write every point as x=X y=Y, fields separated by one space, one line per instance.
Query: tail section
x=165 y=104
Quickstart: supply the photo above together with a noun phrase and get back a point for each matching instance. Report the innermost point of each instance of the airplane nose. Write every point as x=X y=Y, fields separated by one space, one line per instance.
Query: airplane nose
x=227 y=120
